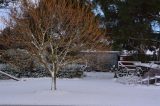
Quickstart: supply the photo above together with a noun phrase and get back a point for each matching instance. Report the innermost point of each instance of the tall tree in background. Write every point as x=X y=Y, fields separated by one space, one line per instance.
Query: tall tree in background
x=53 y=32
x=129 y=22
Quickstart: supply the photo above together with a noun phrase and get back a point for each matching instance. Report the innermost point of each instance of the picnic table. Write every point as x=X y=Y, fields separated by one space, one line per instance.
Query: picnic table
x=153 y=72
x=147 y=72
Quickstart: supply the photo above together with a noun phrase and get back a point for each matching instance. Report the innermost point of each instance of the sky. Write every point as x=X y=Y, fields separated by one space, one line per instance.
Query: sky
x=98 y=11
x=3 y=14
x=155 y=26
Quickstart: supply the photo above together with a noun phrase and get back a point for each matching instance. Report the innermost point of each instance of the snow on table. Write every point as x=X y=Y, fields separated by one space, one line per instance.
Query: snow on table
x=148 y=65
x=98 y=89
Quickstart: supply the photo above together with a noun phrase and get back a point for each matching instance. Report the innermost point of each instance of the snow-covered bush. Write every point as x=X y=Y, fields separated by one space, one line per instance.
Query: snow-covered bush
x=72 y=71
x=39 y=72
x=70 y=74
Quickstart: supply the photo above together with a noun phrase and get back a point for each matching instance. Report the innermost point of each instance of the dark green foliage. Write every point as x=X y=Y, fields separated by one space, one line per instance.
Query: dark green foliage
x=1 y=1
x=143 y=58
x=128 y=22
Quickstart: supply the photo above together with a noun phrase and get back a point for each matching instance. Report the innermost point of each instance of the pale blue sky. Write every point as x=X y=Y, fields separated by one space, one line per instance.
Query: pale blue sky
x=3 y=14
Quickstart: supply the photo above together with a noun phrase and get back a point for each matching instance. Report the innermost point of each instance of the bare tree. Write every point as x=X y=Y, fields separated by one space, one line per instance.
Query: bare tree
x=53 y=31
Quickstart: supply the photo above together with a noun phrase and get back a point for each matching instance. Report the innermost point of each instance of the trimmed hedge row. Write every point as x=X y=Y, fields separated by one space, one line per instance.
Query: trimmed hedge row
x=41 y=72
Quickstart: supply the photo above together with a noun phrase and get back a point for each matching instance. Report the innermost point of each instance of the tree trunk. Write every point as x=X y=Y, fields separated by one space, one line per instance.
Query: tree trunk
x=51 y=82
x=54 y=80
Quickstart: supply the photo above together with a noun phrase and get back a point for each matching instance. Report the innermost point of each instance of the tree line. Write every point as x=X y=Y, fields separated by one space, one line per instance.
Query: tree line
x=131 y=24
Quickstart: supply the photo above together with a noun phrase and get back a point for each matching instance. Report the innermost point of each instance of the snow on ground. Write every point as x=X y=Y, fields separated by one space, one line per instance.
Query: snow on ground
x=97 y=89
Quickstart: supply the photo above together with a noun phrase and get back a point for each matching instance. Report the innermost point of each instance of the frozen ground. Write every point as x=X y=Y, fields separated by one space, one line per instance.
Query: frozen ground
x=97 y=89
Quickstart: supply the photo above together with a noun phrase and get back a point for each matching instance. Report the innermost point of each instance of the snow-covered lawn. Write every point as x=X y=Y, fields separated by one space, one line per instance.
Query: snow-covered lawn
x=97 y=89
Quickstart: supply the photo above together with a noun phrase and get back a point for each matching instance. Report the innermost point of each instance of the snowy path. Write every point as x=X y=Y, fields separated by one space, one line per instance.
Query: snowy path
x=98 y=89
